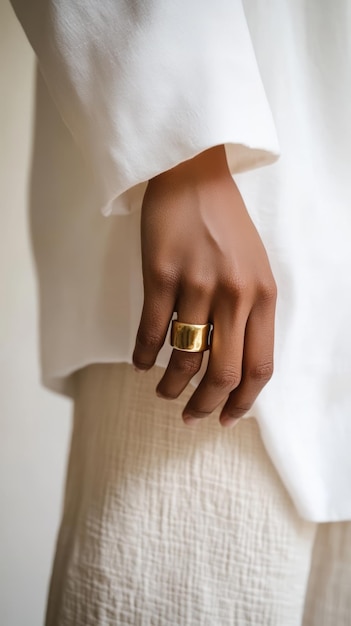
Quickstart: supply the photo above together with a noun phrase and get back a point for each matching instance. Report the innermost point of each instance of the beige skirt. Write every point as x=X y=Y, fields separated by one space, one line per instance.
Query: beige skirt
x=166 y=524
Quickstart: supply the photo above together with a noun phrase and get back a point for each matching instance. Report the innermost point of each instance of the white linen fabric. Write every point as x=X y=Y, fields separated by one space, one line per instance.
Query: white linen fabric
x=164 y=524
x=132 y=89
x=328 y=599
x=168 y=525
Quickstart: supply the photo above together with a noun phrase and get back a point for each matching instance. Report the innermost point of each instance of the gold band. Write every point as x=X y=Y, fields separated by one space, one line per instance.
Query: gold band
x=190 y=337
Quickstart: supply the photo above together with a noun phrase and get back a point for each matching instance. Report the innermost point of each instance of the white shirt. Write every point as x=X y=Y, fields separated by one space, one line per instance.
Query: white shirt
x=131 y=89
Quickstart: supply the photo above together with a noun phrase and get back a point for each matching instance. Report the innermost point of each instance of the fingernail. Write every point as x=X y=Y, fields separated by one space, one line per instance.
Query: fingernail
x=138 y=370
x=230 y=422
x=163 y=396
x=190 y=421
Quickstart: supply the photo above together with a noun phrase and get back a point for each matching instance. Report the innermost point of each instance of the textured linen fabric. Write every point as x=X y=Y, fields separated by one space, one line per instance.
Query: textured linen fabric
x=166 y=524
x=328 y=600
x=134 y=88
x=169 y=524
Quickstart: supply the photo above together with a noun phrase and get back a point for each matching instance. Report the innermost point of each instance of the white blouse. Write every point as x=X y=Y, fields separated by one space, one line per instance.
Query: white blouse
x=127 y=90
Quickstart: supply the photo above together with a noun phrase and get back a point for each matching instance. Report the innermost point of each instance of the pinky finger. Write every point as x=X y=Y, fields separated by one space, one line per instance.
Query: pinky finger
x=257 y=365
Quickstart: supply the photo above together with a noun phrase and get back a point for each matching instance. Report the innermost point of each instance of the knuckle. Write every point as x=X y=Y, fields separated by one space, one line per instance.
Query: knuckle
x=164 y=277
x=241 y=288
x=243 y=407
x=224 y=380
x=185 y=366
x=149 y=340
x=267 y=291
x=261 y=372
x=235 y=286
x=238 y=410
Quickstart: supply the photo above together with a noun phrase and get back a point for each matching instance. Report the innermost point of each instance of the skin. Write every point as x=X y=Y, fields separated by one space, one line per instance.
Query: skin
x=203 y=258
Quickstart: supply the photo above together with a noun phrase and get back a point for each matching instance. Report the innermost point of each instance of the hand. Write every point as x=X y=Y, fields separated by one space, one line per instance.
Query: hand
x=203 y=258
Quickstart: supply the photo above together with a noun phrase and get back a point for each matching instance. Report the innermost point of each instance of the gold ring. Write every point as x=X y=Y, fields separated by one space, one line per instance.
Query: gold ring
x=190 y=337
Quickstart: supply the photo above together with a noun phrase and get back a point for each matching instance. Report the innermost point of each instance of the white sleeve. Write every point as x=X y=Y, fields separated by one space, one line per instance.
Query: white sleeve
x=144 y=85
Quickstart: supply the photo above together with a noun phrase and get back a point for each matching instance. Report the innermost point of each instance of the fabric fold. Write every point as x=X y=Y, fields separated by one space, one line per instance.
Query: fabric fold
x=143 y=86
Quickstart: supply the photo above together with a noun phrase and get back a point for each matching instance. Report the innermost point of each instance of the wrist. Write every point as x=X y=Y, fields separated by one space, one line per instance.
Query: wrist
x=209 y=164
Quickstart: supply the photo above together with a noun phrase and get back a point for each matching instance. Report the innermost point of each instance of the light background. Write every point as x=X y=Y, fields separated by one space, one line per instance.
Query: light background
x=34 y=423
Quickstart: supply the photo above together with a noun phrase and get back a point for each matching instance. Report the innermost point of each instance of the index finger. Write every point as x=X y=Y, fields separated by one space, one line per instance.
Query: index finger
x=157 y=312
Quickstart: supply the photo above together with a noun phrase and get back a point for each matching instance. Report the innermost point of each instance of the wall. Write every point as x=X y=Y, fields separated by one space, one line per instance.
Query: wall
x=34 y=423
